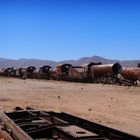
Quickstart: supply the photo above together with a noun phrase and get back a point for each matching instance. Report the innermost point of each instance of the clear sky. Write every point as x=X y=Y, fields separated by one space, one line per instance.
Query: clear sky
x=69 y=29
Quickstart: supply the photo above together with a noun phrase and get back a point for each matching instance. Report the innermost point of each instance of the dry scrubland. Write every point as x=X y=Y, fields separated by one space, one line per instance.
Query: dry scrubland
x=114 y=106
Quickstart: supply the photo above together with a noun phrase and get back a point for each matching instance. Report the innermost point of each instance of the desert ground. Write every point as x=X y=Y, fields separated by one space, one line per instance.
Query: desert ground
x=111 y=105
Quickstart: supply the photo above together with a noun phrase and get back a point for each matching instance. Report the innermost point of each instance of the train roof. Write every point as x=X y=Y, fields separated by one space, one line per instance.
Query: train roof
x=48 y=66
x=91 y=63
x=60 y=65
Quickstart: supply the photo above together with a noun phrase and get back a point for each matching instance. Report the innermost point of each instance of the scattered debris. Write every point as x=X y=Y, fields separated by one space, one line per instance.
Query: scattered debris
x=90 y=109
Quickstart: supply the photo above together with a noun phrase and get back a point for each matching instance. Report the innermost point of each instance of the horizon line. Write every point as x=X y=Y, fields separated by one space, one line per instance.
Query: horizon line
x=28 y=58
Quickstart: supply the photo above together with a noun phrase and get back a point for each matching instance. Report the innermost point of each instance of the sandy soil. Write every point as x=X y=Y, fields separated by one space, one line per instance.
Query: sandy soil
x=115 y=106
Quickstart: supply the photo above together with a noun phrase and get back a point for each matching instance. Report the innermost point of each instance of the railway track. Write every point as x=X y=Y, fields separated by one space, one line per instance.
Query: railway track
x=32 y=124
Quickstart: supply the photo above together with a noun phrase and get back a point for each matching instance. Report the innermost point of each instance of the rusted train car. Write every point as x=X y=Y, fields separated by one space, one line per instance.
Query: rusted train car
x=21 y=73
x=81 y=73
x=60 y=72
x=44 y=72
x=97 y=73
x=90 y=72
x=131 y=74
x=31 y=72
x=10 y=72
x=70 y=72
x=75 y=73
x=107 y=73
x=4 y=71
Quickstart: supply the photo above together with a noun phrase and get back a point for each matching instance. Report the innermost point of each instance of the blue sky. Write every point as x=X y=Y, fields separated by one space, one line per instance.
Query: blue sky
x=69 y=29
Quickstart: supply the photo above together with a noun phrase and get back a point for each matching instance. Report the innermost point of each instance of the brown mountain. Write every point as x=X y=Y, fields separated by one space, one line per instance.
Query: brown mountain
x=35 y=62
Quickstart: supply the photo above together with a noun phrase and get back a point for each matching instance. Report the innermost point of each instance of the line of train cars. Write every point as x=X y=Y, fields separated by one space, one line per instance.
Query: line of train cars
x=90 y=72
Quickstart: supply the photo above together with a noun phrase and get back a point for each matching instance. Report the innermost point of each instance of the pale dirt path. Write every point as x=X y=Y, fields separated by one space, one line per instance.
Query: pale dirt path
x=114 y=106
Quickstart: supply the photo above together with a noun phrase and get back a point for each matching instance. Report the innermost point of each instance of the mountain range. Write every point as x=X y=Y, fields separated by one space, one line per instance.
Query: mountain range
x=38 y=63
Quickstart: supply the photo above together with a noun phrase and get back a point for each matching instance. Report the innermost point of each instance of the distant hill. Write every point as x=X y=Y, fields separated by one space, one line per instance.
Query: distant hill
x=38 y=63
x=25 y=63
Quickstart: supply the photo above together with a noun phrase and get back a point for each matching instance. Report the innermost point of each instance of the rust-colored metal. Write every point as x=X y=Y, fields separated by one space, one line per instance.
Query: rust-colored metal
x=8 y=71
x=12 y=72
x=31 y=124
x=4 y=135
x=87 y=69
x=2 y=71
x=31 y=72
x=90 y=72
x=17 y=132
x=44 y=72
x=75 y=73
x=131 y=73
x=61 y=72
x=81 y=73
x=18 y=72
x=21 y=72
x=76 y=132
x=107 y=70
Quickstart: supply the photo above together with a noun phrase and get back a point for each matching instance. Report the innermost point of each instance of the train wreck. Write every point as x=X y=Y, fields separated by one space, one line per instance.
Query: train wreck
x=91 y=72
x=32 y=124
